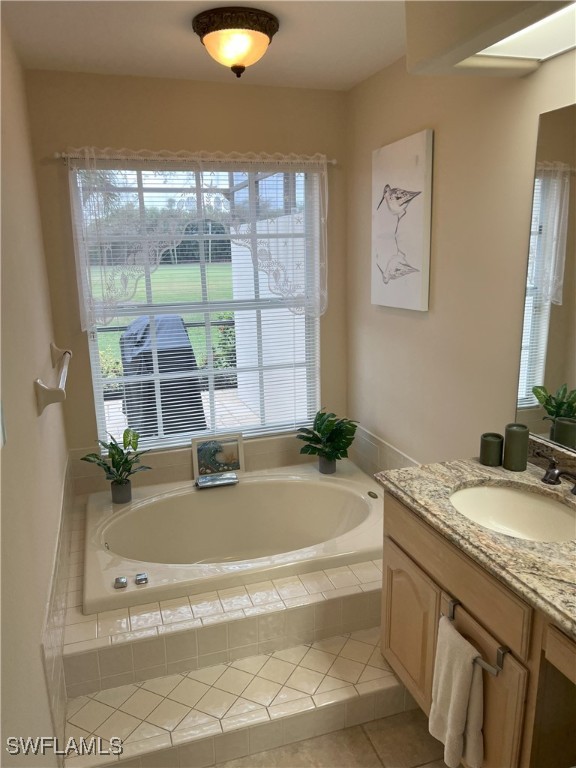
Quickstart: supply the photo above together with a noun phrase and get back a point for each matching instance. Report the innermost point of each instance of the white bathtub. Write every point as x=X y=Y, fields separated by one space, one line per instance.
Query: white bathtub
x=274 y=523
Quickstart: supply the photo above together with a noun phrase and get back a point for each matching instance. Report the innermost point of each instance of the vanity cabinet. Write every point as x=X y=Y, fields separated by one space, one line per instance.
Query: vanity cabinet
x=424 y=576
x=554 y=741
x=411 y=603
x=560 y=651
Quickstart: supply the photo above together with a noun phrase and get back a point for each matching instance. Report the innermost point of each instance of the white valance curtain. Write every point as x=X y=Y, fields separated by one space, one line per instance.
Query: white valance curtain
x=133 y=210
x=550 y=221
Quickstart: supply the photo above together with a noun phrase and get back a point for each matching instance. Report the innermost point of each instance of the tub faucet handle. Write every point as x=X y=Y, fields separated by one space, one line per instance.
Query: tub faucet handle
x=120 y=582
x=141 y=578
x=552 y=460
x=569 y=476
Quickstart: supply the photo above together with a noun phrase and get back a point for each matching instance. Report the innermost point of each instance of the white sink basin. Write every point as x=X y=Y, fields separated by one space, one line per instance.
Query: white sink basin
x=518 y=513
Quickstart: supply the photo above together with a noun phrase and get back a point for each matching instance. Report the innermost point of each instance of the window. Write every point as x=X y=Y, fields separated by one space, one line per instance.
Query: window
x=201 y=284
x=536 y=313
x=545 y=273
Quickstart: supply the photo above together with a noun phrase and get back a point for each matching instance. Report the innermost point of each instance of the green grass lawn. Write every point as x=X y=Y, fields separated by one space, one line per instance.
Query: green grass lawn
x=182 y=283
x=171 y=283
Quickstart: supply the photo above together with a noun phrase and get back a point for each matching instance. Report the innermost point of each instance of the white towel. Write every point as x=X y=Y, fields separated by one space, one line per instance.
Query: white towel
x=457 y=698
x=473 y=741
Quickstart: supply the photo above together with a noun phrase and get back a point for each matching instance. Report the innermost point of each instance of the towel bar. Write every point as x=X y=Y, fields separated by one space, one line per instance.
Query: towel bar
x=47 y=395
x=501 y=651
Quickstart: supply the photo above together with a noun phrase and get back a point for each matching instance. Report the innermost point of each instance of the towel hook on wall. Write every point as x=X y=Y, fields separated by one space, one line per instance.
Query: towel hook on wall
x=47 y=395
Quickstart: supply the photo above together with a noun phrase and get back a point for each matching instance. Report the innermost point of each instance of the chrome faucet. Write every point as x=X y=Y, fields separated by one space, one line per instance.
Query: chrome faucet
x=213 y=481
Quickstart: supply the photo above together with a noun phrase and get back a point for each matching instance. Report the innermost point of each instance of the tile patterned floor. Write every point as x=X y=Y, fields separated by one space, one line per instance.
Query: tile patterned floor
x=399 y=741
x=170 y=711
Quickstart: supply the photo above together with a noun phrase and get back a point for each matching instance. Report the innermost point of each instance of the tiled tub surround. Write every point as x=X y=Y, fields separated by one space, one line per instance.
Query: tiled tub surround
x=106 y=652
x=368 y=452
x=55 y=619
x=175 y=464
x=274 y=523
x=116 y=647
x=372 y=454
x=543 y=573
x=259 y=702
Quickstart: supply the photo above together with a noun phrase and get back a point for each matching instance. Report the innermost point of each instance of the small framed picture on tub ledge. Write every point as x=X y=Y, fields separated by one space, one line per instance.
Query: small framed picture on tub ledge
x=217 y=453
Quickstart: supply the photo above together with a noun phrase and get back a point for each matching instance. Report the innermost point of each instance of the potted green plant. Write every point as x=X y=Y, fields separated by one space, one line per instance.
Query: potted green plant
x=329 y=439
x=561 y=404
x=119 y=464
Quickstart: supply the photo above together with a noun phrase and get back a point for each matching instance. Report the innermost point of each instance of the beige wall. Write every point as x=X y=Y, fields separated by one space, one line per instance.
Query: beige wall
x=74 y=110
x=34 y=456
x=430 y=383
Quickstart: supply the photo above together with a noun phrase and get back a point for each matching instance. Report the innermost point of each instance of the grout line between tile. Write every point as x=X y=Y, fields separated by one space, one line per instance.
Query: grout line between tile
x=176 y=708
x=339 y=575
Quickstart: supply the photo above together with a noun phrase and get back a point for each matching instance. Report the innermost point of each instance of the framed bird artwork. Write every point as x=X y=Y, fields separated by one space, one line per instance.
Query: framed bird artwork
x=401 y=222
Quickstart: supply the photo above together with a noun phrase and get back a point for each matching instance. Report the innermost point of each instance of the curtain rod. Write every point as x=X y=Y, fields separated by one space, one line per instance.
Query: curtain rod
x=175 y=158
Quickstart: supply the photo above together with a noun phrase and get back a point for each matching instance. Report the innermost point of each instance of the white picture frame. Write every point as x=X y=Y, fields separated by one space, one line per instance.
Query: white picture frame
x=214 y=454
x=401 y=222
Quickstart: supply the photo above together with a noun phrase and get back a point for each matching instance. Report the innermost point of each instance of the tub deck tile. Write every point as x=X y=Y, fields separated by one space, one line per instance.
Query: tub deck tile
x=223 y=605
x=182 y=644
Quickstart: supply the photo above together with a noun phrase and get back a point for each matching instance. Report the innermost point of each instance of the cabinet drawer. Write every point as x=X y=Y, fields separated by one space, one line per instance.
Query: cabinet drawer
x=505 y=615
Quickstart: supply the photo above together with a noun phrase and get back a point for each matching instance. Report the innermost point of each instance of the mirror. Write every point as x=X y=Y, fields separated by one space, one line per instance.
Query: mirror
x=549 y=329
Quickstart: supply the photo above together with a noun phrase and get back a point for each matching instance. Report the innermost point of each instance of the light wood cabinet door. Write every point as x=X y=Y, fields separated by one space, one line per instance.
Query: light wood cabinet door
x=554 y=741
x=411 y=611
x=504 y=696
x=560 y=651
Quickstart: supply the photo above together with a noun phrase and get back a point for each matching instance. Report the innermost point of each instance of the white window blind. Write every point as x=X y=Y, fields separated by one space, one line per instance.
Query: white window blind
x=545 y=273
x=201 y=280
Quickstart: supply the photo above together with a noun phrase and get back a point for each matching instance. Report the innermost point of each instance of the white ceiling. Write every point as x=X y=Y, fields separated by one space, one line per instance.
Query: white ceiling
x=331 y=44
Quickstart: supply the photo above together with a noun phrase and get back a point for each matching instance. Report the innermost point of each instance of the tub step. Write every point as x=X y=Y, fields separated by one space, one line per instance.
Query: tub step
x=163 y=641
x=225 y=711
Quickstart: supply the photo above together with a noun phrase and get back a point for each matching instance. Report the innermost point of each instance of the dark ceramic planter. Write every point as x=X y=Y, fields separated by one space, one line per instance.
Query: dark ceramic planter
x=565 y=432
x=121 y=492
x=326 y=466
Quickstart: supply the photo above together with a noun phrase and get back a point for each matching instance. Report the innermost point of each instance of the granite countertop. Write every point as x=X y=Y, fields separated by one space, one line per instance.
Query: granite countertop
x=543 y=573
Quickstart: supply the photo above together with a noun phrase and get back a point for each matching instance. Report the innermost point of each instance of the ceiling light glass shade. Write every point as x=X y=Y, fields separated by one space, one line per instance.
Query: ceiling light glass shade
x=236 y=47
x=235 y=36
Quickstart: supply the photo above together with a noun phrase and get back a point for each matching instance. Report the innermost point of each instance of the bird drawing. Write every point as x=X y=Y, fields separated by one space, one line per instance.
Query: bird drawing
x=397 y=201
x=393 y=263
x=396 y=267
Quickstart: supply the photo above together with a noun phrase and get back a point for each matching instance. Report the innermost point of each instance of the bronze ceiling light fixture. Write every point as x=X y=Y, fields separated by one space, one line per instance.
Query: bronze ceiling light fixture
x=235 y=36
